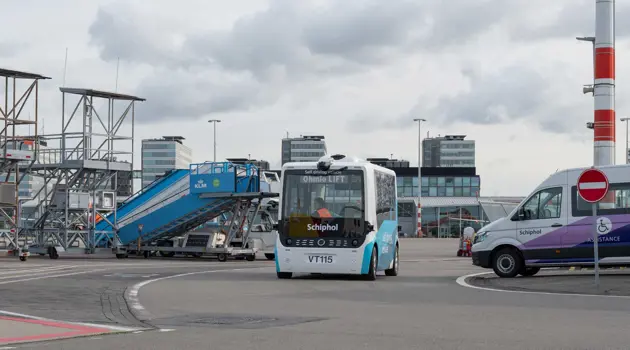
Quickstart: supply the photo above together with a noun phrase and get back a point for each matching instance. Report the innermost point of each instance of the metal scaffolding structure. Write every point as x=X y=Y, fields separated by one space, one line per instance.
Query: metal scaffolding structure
x=18 y=146
x=80 y=166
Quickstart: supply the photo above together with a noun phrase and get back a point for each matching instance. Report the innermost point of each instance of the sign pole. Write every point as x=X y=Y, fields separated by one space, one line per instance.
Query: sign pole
x=595 y=244
x=592 y=186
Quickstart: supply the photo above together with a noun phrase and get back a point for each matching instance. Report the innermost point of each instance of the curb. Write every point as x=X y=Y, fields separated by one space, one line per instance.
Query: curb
x=579 y=268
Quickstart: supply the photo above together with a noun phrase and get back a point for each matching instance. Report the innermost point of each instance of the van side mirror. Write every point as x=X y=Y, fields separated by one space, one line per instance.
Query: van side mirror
x=368 y=227
x=520 y=215
x=274 y=227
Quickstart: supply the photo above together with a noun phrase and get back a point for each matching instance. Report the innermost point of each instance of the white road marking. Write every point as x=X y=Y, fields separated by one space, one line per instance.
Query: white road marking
x=462 y=282
x=132 y=293
x=108 y=268
x=32 y=274
x=31 y=317
x=7 y=273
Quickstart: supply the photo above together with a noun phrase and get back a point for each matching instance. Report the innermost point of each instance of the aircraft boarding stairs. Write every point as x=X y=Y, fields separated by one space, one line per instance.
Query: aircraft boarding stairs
x=182 y=201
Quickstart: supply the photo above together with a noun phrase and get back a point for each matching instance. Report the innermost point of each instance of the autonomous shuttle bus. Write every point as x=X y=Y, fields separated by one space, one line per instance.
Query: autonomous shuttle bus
x=554 y=226
x=337 y=216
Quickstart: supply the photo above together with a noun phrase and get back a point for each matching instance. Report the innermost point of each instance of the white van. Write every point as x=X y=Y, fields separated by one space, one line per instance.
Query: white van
x=554 y=226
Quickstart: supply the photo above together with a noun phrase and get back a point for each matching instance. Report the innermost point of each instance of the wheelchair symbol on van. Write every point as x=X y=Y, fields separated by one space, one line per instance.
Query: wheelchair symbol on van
x=604 y=225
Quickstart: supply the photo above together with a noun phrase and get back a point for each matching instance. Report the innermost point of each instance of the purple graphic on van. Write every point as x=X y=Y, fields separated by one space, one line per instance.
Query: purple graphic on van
x=580 y=233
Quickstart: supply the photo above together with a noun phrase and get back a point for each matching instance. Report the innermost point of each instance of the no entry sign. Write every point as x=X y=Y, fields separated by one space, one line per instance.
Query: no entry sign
x=592 y=185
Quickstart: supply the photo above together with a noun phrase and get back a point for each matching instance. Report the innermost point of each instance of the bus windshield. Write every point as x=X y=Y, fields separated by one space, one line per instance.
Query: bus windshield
x=323 y=204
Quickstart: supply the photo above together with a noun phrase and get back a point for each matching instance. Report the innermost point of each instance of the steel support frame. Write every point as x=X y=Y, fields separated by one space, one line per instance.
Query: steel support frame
x=78 y=166
x=12 y=137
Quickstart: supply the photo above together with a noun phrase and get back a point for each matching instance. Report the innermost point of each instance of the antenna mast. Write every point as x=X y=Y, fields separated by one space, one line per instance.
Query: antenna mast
x=65 y=68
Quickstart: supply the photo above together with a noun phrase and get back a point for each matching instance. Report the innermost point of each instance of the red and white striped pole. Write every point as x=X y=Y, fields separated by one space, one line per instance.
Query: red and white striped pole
x=604 y=88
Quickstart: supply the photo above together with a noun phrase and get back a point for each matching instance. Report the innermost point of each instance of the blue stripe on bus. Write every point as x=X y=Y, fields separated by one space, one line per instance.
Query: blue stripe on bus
x=387 y=226
x=367 y=255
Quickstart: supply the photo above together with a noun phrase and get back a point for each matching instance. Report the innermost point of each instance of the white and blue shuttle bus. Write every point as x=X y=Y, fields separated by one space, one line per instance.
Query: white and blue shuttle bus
x=554 y=227
x=358 y=232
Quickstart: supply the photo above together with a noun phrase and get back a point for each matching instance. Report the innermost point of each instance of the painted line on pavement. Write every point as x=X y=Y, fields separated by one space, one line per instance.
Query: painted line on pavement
x=432 y=259
x=132 y=293
x=71 y=330
x=109 y=268
x=462 y=282
x=86 y=324
x=8 y=273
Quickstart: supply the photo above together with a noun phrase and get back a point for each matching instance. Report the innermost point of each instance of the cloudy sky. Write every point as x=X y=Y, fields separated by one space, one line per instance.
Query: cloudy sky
x=508 y=74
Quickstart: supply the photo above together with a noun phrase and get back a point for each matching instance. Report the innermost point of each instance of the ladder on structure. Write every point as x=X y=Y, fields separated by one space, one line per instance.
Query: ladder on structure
x=234 y=225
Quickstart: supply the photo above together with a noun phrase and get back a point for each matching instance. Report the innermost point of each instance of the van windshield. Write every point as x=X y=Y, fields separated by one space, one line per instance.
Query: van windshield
x=323 y=204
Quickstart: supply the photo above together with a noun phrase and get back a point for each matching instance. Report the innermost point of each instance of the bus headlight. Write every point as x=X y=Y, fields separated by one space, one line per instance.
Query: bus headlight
x=289 y=241
x=355 y=242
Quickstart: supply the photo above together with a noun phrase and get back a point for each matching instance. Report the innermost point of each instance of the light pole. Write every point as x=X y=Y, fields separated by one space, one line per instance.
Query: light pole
x=626 y=155
x=215 y=121
x=419 y=120
x=592 y=40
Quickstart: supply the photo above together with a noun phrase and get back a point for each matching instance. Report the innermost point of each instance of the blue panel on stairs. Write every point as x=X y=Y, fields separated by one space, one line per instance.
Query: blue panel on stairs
x=143 y=197
x=212 y=183
x=189 y=205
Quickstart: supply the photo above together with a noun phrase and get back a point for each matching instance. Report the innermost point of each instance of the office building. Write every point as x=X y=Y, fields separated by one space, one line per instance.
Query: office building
x=161 y=155
x=448 y=151
x=303 y=149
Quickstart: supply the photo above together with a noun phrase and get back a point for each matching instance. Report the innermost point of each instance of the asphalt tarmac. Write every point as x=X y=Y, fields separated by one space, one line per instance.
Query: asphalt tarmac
x=193 y=304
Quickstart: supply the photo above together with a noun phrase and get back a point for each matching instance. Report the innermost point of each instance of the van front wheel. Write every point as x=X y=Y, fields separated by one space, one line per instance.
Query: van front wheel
x=507 y=263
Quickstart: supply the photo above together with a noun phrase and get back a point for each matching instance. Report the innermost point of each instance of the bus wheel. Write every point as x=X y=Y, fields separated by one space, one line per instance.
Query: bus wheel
x=529 y=271
x=284 y=275
x=371 y=275
x=507 y=263
x=394 y=270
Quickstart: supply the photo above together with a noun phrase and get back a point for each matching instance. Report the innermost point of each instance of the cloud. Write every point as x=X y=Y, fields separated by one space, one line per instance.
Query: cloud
x=514 y=93
x=270 y=53
x=11 y=48
x=187 y=95
x=564 y=20
x=121 y=34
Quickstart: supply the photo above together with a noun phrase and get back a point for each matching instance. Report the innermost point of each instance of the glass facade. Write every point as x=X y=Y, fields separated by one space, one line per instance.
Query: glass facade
x=162 y=155
x=439 y=186
x=303 y=149
x=449 y=222
x=444 y=222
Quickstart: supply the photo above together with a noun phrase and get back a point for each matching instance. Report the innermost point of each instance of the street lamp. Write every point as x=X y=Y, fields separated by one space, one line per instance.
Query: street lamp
x=626 y=120
x=588 y=89
x=419 y=120
x=215 y=121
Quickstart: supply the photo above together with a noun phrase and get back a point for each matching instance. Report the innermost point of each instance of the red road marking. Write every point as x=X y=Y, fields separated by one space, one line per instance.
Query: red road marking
x=77 y=330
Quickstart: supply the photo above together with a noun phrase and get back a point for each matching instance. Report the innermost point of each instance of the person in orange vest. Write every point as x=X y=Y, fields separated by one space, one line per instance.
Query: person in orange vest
x=320 y=209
